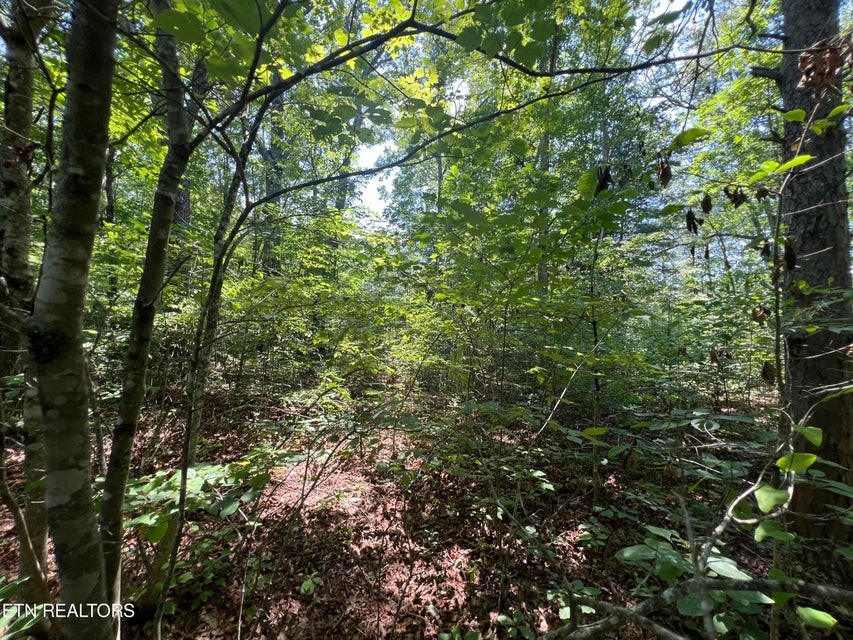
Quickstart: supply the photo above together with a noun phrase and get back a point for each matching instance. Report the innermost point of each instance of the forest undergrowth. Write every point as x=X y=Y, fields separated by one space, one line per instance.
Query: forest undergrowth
x=373 y=512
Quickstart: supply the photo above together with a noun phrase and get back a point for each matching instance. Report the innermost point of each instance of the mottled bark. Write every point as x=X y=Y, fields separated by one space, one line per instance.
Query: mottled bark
x=814 y=208
x=16 y=155
x=144 y=309
x=55 y=327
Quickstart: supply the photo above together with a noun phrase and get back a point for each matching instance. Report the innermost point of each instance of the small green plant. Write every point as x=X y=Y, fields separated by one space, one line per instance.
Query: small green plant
x=310 y=583
x=516 y=627
x=594 y=534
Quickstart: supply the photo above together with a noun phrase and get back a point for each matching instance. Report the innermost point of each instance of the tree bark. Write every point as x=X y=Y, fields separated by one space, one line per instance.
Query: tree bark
x=55 y=327
x=144 y=309
x=16 y=156
x=814 y=207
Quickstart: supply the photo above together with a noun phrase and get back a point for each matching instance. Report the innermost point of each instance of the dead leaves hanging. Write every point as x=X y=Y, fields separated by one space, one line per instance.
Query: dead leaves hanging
x=693 y=223
x=706 y=204
x=605 y=179
x=760 y=314
x=822 y=65
x=736 y=195
x=664 y=171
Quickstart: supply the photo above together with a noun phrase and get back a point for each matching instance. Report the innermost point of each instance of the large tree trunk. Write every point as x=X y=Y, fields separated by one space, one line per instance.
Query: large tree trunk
x=55 y=327
x=814 y=207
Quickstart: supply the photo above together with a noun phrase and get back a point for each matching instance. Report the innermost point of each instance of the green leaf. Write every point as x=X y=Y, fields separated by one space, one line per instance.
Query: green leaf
x=492 y=43
x=842 y=108
x=636 y=554
x=812 y=434
x=519 y=147
x=794 y=162
x=776 y=574
x=749 y=596
x=666 y=534
x=769 y=498
x=462 y=206
x=587 y=183
x=344 y=111
x=840 y=488
x=666 y=18
x=689 y=136
x=770 y=529
x=816 y=618
x=723 y=623
x=469 y=38
x=669 y=209
x=795 y=115
x=670 y=565
x=240 y=14
x=148 y=519
x=593 y=432
x=651 y=45
x=755 y=177
x=20 y=625
x=781 y=597
x=227 y=68
x=332 y=127
x=796 y=462
x=690 y=605
x=820 y=124
x=528 y=54
x=514 y=13
x=617 y=449
x=228 y=508
x=541 y=30
x=157 y=531
x=727 y=568
x=436 y=115
x=184 y=26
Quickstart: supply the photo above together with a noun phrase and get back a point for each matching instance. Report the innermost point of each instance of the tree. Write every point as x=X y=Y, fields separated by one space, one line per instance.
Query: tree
x=817 y=262
x=55 y=327
x=540 y=252
x=144 y=309
x=21 y=36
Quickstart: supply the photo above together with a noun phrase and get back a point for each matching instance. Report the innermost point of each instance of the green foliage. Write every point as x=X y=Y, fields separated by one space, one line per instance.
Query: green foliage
x=530 y=313
x=16 y=620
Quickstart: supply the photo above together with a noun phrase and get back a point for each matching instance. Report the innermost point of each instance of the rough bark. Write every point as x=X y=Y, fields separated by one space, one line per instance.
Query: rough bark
x=28 y=21
x=814 y=208
x=55 y=327
x=144 y=309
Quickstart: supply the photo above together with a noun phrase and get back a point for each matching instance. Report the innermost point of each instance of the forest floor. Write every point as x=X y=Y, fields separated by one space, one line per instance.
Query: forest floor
x=376 y=536
x=372 y=526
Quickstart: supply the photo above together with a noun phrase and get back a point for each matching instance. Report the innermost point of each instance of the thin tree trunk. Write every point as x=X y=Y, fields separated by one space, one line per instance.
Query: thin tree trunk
x=814 y=206
x=199 y=371
x=55 y=327
x=144 y=309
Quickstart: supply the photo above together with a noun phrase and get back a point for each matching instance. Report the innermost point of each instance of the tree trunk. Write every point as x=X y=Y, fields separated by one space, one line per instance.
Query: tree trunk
x=142 y=322
x=55 y=327
x=16 y=155
x=814 y=207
